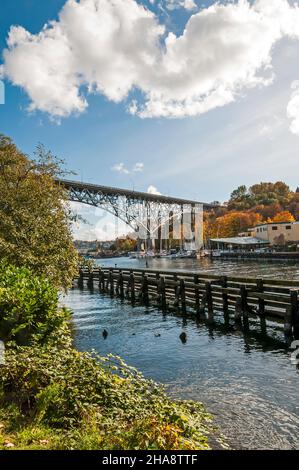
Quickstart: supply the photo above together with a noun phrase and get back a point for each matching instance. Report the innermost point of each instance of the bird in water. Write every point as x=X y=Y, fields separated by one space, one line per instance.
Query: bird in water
x=183 y=337
x=105 y=334
x=157 y=335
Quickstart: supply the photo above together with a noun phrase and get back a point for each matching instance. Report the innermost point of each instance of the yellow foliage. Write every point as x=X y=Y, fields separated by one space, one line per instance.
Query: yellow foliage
x=284 y=216
x=230 y=224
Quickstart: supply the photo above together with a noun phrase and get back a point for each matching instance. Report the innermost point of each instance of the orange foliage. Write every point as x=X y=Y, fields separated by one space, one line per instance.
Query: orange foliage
x=230 y=224
x=284 y=216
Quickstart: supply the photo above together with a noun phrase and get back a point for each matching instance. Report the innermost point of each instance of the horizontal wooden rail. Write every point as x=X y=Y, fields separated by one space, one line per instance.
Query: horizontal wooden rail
x=202 y=294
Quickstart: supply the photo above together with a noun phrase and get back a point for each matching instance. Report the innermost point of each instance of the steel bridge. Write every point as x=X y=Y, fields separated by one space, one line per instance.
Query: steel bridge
x=143 y=212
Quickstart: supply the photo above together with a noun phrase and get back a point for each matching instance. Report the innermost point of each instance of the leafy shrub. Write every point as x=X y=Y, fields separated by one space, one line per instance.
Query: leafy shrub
x=54 y=395
x=28 y=306
x=107 y=403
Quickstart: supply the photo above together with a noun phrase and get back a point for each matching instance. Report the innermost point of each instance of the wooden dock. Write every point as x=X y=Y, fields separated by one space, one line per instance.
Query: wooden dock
x=283 y=256
x=202 y=294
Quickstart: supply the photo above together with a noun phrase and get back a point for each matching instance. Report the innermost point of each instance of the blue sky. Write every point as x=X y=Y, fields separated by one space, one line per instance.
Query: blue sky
x=204 y=155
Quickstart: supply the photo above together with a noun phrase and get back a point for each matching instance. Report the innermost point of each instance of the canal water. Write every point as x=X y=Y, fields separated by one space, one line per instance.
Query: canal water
x=247 y=382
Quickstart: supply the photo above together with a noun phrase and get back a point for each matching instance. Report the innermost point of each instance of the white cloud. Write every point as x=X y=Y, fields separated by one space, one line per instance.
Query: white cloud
x=293 y=108
x=138 y=167
x=153 y=190
x=111 y=47
x=174 y=4
x=122 y=168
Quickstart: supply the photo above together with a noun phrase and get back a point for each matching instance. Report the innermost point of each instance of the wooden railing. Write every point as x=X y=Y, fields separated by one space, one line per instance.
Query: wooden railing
x=202 y=294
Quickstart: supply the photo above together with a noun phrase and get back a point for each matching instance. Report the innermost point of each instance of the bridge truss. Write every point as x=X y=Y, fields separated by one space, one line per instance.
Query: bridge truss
x=151 y=216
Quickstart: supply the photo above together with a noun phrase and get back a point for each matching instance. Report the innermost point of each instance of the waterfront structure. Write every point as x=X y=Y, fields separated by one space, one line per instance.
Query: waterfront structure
x=202 y=294
x=277 y=233
x=262 y=235
x=238 y=243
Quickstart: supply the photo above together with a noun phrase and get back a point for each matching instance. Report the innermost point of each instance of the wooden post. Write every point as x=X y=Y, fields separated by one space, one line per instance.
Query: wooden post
x=241 y=308
x=106 y=284
x=261 y=302
x=162 y=293
x=225 y=305
x=90 y=280
x=99 y=282
x=295 y=313
x=288 y=331
x=243 y=293
x=111 y=283
x=176 y=291
x=132 y=286
x=196 y=293
x=202 y=306
x=183 y=295
x=209 y=301
x=128 y=286
x=238 y=310
x=121 y=284
x=144 y=288
x=81 y=279
x=158 y=288
x=117 y=284
x=223 y=283
x=102 y=281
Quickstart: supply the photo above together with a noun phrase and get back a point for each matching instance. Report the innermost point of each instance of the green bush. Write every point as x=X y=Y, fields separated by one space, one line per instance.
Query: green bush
x=55 y=396
x=96 y=402
x=28 y=306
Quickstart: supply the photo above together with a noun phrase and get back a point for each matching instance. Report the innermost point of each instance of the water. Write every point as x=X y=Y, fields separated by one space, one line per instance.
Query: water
x=279 y=269
x=248 y=383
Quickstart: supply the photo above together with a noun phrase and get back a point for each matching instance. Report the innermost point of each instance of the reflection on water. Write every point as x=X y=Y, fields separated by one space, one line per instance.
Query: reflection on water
x=249 y=384
x=250 y=268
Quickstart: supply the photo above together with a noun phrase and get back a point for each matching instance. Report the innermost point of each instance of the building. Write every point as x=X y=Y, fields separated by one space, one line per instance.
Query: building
x=239 y=243
x=261 y=236
x=279 y=233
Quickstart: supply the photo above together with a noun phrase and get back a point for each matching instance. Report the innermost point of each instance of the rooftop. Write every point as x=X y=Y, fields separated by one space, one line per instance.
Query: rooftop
x=240 y=241
x=274 y=223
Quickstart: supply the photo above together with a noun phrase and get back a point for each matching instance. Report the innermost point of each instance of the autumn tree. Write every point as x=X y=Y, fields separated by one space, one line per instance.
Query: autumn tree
x=35 y=220
x=265 y=194
x=293 y=206
x=284 y=216
x=125 y=244
x=232 y=223
x=267 y=211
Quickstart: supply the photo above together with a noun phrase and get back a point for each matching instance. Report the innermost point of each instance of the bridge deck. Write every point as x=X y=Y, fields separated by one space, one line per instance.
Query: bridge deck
x=137 y=195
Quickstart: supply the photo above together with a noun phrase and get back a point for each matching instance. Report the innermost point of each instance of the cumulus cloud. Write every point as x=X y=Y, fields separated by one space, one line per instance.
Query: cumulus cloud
x=153 y=190
x=112 y=47
x=174 y=4
x=122 y=168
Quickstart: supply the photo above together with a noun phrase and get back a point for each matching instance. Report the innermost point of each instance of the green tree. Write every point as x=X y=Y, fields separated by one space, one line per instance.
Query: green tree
x=35 y=219
x=271 y=193
x=240 y=199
